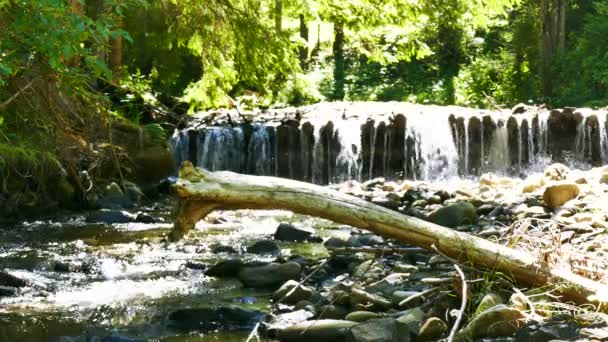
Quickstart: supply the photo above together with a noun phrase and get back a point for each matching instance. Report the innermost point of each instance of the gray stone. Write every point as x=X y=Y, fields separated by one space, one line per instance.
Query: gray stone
x=432 y=330
x=333 y=311
x=323 y=330
x=375 y=330
x=269 y=275
x=497 y=321
x=265 y=247
x=288 y=232
x=133 y=192
x=215 y=318
x=454 y=215
x=226 y=268
x=362 y=316
x=361 y=300
x=108 y=216
x=548 y=332
x=388 y=284
x=291 y=292
x=410 y=322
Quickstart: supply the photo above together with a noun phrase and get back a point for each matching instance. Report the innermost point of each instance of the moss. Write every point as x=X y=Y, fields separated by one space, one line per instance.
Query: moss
x=30 y=181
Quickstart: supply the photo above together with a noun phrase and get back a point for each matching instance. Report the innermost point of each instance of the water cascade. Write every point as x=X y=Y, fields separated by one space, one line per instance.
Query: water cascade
x=335 y=142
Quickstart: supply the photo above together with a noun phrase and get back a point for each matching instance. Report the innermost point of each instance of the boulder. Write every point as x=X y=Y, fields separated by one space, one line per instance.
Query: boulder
x=361 y=300
x=323 y=330
x=226 y=268
x=108 y=216
x=409 y=323
x=488 y=301
x=286 y=293
x=7 y=279
x=222 y=318
x=265 y=247
x=559 y=193
x=270 y=275
x=556 y=172
x=432 y=330
x=288 y=232
x=375 y=330
x=362 y=316
x=454 y=215
x=497 y=321
x=113 y=198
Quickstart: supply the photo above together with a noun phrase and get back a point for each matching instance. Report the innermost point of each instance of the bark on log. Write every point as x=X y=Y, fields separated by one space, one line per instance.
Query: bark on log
x=201 y=192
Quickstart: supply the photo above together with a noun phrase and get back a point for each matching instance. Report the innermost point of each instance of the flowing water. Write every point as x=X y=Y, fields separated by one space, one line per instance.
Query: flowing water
x=88 y=282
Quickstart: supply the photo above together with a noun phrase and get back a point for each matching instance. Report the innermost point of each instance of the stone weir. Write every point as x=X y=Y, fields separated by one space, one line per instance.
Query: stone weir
x=334 y=142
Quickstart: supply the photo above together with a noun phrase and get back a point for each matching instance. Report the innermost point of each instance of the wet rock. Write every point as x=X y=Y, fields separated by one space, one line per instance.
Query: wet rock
x=432 y=330
x=454 y=215
x=405 y=268
x=411 y=301
x=288 y=232
x=498 y=321
x=290 y=318
x=114 y=198
x=388 y=284
x=226 y=268
x=7 y=279
x=108 y=216
x=386 y=202
x=146 y=218
x=8 y=291
x=485 y=209
x=333 y=311
x=399 y=296
x=557 y=172
x=559 y=193
x=490 y=300
x=269 y=275
x=375 y=330
x=409 y=323
x=362 y=316
x=420 y=203
x=324 y=330
x=335 y=242
x=291 y=293
x=365 y=240
x=217 y=248
x=547 y=332
x=361 y=300
x=196 y=265
x=216 y=318
x=133 y=192
x=264 y=247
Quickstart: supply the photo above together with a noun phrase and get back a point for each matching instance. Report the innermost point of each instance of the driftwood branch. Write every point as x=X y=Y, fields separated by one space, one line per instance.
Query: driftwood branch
x=201 y=192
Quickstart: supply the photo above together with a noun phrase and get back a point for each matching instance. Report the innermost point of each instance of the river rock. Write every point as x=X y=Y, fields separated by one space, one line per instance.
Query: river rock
x=269 y=275
x=557 y=194
x=488 y=301
x=333 y=311
x=288 y=232
x=409 y=323
x=8 y=291
x=497 y=321
x=286 y=293
x=388 y=284
x=454 y=215
x=604 y=178
x=557 y=172
x=323 y=330
x=361 y=300
x=375 y=330
x=533 y=183
x=108 y=216
x=548 y=332
x=215 y=318
x=226 y=268
x=264 y=247
x=133 y=192
x=113 y=198
x=362 y=316
x=432 y=330
x=219 y=248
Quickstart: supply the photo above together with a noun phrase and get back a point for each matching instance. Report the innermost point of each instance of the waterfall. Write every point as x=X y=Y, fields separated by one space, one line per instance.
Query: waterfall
x=348 y=136
x=601 y=120
x=259 y=156
x=222 y=149
x=499 y=158
x=434 y=148
x=180 y=144
x=466 y=146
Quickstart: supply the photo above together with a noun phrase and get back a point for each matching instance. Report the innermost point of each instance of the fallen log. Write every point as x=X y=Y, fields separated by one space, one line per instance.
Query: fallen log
x=202 y=192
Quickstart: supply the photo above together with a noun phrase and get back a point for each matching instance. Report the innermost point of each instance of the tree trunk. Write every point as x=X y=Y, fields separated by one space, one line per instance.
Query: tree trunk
x=553 y=30
x=116 y=55
x=278 y=15
x=304 y=48
x=201 y=192
x=339 y=67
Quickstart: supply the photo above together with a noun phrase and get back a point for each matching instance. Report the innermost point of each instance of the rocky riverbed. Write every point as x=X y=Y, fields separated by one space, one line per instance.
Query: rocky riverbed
x=110 y=274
